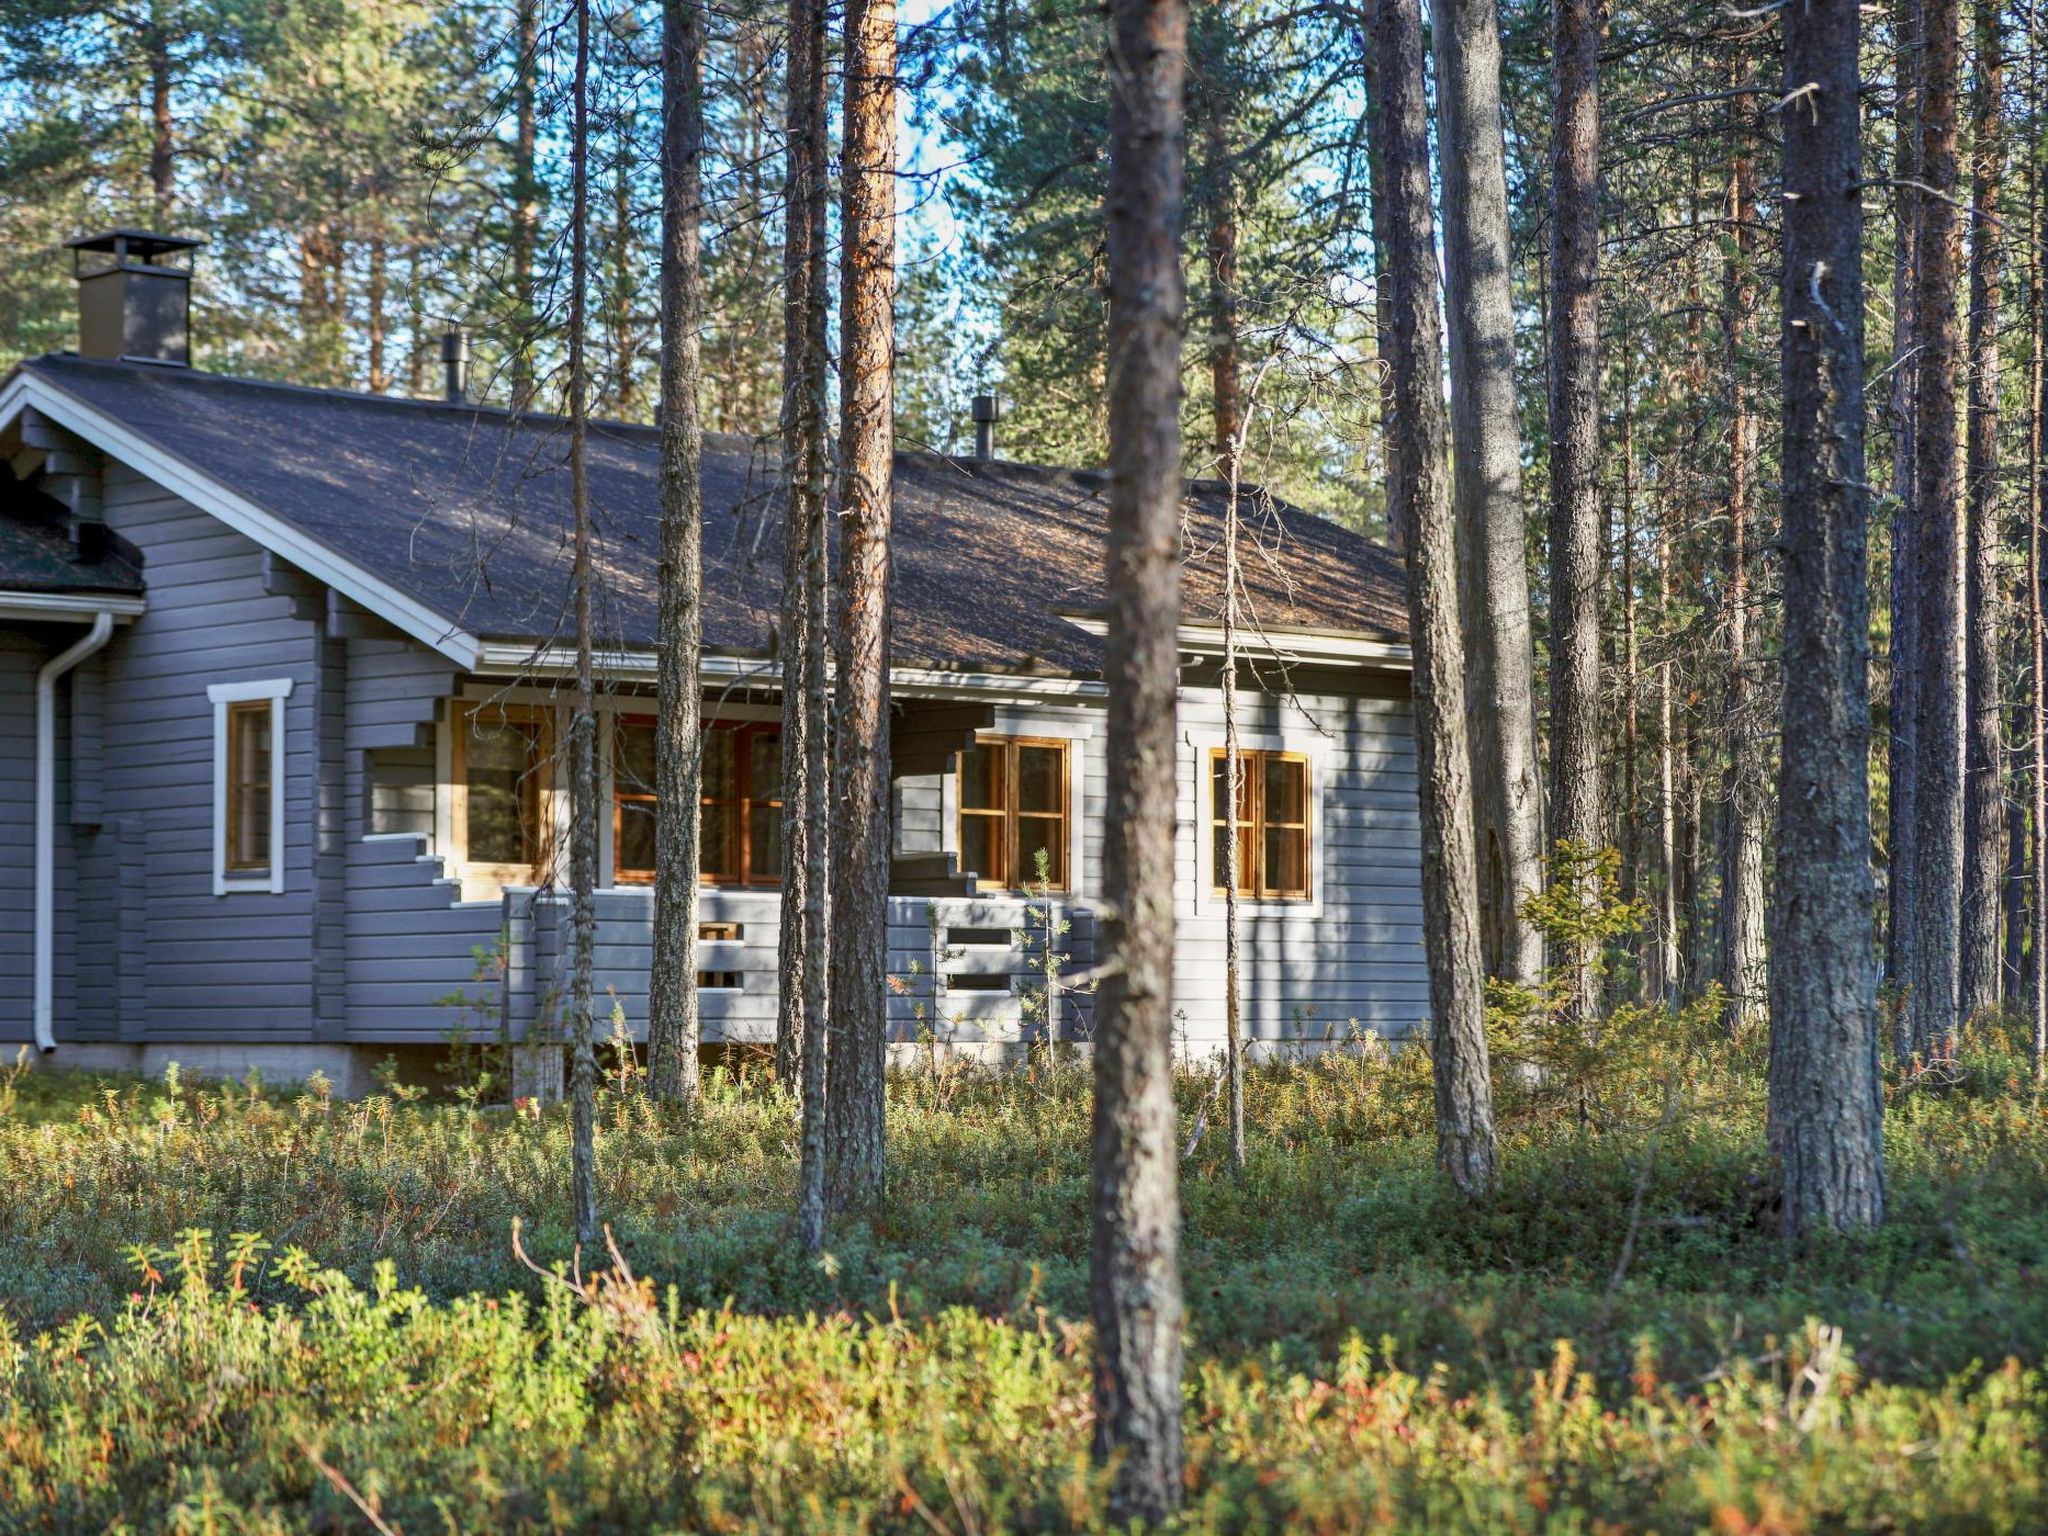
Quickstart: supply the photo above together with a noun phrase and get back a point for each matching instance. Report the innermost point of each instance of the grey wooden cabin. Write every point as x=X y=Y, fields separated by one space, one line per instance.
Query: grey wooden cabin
x=281 y=669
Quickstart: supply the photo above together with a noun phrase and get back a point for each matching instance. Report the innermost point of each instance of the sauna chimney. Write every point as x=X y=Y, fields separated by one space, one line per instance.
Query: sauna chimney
x=134 y=296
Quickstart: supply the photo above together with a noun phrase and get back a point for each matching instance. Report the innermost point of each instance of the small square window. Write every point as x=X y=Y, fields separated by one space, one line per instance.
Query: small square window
x=1013 y=812
x=1273 y=833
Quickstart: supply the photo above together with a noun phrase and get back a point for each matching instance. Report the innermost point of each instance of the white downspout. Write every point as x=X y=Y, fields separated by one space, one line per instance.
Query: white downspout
x=46 y=819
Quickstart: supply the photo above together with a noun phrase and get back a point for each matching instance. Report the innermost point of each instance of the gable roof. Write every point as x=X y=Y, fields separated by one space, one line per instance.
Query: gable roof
x=458 y=517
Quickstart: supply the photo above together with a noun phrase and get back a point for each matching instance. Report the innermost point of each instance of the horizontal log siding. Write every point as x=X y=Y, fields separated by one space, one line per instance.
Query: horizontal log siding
x=21 y=653
x=1353 y=960
x=204 y=976
x=420 y=963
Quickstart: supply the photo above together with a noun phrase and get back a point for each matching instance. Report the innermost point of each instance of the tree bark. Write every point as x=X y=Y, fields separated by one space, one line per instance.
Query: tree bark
x=163 y=140
x=860 y=846
x=804 y=941
x=1134 y=1240
x=1984 y=754
x=1457 y=982
x=672 y=1027
x=1902 y=747
x=1937 y=873
x=525 y=198
x=1826 y=1099
x=2037 y=618
x=1487 y=482
x=583 y=710
x=1576 y=557
x=1742 y=849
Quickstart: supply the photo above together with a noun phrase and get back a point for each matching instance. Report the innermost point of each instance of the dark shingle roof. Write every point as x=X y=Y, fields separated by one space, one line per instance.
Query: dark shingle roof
x=35 y=548
x=467 y=511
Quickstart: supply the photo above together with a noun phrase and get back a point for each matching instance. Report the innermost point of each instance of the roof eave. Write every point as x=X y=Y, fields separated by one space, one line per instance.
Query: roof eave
x=26 y=387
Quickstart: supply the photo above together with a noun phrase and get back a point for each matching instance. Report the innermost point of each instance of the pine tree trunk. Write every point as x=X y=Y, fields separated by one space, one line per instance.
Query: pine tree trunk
x=1902 y=749
x=625 y=388
x=525 y=199
x=1576 y=557
x=803 y=469
x=1742 y=849
x=583 y=709
x=1984 y=755
x=163 y=140
x=860 y=847
x=376 y=287
x=1487 y=482
x=2037 y=610
x=1134 y=1241
x=1464 y=1090
x=672 y=1027
x=1937 y=873
x=1666 y=916
x=804 y=942
x=1826 y=1101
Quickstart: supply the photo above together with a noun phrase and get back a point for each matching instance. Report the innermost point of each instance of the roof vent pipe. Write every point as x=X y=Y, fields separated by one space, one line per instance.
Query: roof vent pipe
x=986 y=415
x=455 y=366
x=134 y=296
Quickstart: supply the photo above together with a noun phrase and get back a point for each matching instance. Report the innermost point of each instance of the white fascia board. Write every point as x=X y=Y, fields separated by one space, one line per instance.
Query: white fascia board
x=514 y=659
x=1320 y=647
x=244 y=516
x=55 y=607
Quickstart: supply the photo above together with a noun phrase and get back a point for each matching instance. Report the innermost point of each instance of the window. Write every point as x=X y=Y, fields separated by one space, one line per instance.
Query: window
x=1272 y=823
x=500 y=768
x=1013 y=807
x=740 y=821
x=248 y=797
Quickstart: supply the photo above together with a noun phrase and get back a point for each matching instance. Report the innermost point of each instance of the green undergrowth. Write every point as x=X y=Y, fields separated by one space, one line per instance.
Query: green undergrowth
x=167 y=1367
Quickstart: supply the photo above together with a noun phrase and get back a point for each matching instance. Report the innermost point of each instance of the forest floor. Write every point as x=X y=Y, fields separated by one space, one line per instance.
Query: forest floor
x=237 y=1308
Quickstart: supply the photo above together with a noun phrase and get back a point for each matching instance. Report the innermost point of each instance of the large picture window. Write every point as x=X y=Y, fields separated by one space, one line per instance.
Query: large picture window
x=740 y=830
x=1013 y=808
x=1273 y=844
x=501 y=759
x=248 y=787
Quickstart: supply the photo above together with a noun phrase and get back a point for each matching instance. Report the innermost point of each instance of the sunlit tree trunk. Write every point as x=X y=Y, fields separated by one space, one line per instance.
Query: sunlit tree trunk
x=583 y=709
x=1742 y=851
x=1134 y=1245
x=525 y=198
x=1422 y=509
x=672 y=1025
x=860 y=843
x=1983 y=742
x=1576 y=558
x=1487 y=484
x=800 y=1022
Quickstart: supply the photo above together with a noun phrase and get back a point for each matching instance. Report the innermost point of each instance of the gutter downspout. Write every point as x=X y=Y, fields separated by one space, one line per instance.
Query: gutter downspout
x=46 y=819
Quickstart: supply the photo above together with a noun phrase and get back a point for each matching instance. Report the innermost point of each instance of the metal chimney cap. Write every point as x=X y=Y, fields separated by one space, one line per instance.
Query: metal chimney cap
x=985 y=408
x=133 y=250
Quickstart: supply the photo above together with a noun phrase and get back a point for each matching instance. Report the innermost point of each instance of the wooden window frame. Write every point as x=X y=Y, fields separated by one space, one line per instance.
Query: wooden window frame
x=522 y=716
x=1253 y=827
x=1012 y=818
x=243 y=701
x=747 y=800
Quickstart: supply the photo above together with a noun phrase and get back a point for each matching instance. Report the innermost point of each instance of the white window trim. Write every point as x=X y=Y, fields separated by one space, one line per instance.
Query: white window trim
x=1316 y=749
x=1076 y=734
x=276 y=690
